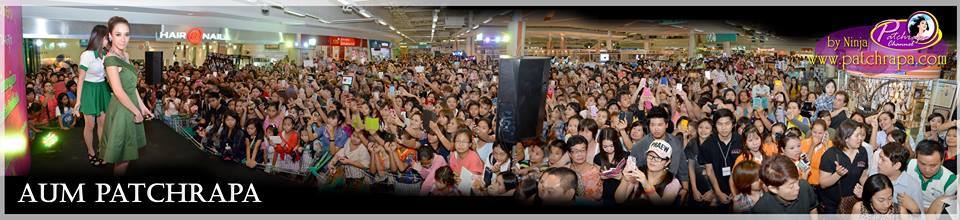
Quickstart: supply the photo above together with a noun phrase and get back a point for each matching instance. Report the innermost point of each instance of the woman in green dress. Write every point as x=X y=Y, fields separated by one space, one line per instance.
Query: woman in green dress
x=123 y=127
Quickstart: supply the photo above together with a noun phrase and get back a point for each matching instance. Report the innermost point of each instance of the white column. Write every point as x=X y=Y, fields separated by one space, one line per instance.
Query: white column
x=692 y=46
x=726 y=47
x=609 y=40
x=517 y=29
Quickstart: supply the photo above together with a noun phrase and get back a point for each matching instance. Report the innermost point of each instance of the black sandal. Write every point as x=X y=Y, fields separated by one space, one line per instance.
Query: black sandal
x=94 y=160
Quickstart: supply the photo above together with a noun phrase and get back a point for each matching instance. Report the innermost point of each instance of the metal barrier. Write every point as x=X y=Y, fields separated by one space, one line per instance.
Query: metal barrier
x=300 y=168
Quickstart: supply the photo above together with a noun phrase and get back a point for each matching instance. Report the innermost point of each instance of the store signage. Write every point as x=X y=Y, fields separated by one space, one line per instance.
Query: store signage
x=344 y=41
x=194 y=35
x=887 y=47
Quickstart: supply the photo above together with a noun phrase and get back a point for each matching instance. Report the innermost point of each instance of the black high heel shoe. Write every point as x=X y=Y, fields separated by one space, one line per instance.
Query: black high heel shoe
x=94 y=160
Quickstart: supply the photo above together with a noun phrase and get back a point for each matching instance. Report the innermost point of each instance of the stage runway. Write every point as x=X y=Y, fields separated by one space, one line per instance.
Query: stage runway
x=167 y=154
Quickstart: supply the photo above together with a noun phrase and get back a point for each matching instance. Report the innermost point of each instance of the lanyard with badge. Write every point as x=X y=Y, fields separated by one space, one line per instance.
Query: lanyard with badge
x=726 y=167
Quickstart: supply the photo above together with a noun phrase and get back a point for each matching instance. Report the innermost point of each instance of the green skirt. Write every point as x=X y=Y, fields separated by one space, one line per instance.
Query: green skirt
x=95 y=98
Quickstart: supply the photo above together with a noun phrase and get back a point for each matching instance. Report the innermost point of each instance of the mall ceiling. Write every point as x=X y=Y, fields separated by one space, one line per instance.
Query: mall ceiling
x=578 y=25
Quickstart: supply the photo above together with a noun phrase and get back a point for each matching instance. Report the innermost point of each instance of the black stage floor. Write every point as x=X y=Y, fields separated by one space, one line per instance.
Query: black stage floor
x=167 y=154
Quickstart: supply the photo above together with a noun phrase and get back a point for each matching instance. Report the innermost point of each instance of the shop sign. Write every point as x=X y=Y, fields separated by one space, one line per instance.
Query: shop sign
x=194 y=35
x=344 y=41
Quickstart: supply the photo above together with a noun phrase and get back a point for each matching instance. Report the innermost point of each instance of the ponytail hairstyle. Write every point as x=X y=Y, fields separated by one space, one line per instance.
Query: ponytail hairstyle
x=95 y=43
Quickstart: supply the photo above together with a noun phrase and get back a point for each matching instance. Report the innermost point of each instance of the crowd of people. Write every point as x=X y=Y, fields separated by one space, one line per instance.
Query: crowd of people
x=726 y=134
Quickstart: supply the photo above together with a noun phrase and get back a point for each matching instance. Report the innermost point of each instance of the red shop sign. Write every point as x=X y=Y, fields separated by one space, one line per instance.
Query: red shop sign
x=343 y=41
x=195 y=36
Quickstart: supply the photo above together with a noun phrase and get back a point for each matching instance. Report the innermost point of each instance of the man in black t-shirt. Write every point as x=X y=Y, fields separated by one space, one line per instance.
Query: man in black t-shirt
x=719 y=152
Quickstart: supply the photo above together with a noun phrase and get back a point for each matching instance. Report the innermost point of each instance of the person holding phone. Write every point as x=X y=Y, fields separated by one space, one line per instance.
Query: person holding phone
x=651 y=183
x=611 y=159
x=123 y=127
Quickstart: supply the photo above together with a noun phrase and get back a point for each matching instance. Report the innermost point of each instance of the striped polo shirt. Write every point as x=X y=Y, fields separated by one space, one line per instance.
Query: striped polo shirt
x=942 y=183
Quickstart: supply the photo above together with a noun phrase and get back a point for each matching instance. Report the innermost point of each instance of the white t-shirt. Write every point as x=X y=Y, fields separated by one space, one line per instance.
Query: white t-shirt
x=93 y=64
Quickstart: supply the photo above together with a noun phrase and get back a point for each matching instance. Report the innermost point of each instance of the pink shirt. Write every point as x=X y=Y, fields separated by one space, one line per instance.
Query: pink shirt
x=429 y=174
x=472 y=162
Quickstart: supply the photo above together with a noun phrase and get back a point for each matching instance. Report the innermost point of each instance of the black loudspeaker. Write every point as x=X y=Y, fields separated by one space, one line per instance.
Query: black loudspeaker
x=153 y=63
x=521 y=98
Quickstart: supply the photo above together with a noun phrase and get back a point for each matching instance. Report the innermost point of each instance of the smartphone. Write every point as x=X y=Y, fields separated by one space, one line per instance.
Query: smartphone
x=664 y=81
x=679 y=87
x=757 y=103
x=393 y=90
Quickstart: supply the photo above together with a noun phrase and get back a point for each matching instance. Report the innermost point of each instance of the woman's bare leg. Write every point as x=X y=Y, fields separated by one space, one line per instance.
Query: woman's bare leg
x=120 y=168
x=88 y=123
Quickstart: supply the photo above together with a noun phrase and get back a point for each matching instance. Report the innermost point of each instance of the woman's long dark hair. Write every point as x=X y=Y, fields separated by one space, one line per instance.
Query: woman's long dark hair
x=874 y=184
x=915 y=28
x=745 y=150
x=95 y=43
x=618 y=152
x=259 y=126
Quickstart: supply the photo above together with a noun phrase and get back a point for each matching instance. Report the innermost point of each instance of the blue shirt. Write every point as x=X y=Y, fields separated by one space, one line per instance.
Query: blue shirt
x=909 y=186
x=340 y=137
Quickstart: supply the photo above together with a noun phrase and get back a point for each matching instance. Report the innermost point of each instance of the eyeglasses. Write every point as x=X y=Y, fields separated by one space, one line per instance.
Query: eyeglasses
x=655 y=159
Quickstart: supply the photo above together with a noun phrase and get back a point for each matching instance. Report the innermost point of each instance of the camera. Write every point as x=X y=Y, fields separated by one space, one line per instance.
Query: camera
x=265 y=11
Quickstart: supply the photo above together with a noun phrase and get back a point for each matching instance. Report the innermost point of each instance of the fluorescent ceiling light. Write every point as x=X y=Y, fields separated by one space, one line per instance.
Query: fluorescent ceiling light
x=380 y=21
x=488 y=20
x=364 y=13
x=293 y=13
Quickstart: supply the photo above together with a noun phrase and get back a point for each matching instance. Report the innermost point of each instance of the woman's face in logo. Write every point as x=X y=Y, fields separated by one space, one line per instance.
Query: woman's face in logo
x=922 y=26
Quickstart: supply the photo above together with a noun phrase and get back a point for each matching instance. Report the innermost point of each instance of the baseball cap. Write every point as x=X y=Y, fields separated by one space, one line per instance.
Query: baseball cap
x=661 y=148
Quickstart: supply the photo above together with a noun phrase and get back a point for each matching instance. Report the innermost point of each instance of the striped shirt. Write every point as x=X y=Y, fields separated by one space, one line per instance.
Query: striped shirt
x=942 y=183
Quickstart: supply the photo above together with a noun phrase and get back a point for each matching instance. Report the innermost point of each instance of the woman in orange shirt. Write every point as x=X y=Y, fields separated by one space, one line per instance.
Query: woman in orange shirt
x=752 y=149
x=814 y=146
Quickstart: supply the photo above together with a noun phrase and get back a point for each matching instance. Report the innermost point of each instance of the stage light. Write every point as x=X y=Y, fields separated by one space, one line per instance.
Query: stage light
x=14 y=144
x=50 y=140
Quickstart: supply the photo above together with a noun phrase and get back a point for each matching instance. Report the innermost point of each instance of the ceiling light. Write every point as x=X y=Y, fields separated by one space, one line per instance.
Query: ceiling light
x=476 y=26
x=293 y=13
x=345 y=2
x=380 y=21
x=392 y=28
x=364 y=13
x=488 y=20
